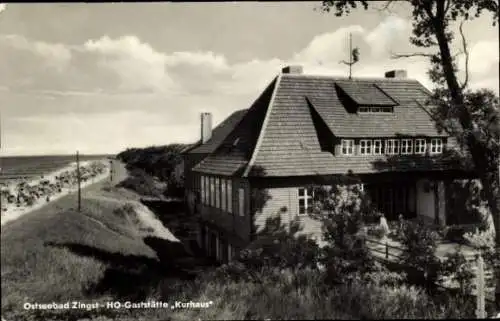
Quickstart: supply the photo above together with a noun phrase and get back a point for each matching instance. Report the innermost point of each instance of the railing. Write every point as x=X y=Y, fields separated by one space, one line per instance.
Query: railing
x=392 y=257
x=386 y=251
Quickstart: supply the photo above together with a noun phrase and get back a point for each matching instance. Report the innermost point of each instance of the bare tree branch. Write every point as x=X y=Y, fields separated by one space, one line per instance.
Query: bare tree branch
x=386 y=6
x=447 y=6
x=466 y=52
x=409 y=55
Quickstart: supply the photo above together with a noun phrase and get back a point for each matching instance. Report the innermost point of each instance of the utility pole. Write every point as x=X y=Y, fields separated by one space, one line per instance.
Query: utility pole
x=78 y=180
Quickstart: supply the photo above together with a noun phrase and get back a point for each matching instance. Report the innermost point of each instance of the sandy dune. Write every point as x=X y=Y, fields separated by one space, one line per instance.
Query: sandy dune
x=13 y=212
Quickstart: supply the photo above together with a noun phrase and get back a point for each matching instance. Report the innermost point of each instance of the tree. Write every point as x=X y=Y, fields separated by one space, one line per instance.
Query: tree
x=432 y=29
x=343 y=210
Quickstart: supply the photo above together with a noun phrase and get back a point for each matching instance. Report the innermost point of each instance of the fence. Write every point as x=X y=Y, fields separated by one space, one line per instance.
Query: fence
x=385 y=252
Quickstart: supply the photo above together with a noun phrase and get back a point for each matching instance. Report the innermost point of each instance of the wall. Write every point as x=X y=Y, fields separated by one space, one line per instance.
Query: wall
x=425 y=201
x=234 y=227
x=285 y=197
x=442 y=202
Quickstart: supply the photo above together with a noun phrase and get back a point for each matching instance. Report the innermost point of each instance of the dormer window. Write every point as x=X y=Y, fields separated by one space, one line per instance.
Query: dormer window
x=347 y=146
x=365 y=147
x=420 y=146
x=392 y=146
x=373 y=109
x=436 y=146
x=406 y=146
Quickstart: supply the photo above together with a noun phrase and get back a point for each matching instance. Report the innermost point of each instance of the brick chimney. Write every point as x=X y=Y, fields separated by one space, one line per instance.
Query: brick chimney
x=297 y=70
x=399 y=73
x=206 y=127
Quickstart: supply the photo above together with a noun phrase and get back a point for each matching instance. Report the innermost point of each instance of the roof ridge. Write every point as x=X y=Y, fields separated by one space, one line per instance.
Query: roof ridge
x=263 y=127
x=342 y=78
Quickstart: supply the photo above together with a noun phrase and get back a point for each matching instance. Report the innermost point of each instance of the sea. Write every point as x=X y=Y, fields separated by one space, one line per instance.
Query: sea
x=21 y=167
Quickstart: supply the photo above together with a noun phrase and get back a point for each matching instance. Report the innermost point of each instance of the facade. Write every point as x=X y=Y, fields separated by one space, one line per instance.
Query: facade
x=308 y=130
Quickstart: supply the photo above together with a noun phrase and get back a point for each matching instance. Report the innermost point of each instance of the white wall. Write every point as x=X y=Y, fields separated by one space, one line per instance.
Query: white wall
x=425 y=201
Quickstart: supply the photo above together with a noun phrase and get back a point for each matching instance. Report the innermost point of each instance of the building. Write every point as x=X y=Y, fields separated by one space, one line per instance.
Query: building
x=306 y=130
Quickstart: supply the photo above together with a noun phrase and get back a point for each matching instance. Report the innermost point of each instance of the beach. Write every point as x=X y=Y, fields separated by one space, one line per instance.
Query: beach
x=61 y=182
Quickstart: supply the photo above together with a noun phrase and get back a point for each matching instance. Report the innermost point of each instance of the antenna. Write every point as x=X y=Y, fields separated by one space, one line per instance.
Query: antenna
x=353 y=56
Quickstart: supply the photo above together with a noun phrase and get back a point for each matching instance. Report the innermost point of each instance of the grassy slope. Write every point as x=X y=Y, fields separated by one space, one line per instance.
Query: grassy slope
x=57 y=253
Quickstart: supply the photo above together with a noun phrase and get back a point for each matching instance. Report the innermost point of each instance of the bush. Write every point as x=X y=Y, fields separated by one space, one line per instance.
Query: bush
x=456 y=266
x=420 y=243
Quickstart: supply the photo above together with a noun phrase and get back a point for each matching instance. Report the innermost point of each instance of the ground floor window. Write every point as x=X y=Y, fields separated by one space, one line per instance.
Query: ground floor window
x=393 y=199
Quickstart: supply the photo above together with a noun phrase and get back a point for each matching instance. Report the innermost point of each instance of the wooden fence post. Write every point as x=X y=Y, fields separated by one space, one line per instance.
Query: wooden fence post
x=480 y=289
x=386 y=250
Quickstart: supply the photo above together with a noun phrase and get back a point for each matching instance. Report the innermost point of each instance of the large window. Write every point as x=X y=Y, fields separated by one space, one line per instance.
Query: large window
x=305 y=200
x=420 y=146
x=377 y=147
x=241 y=201
x=229 y=195
x=406 y=146
x=365 y=147
x=392 y=146
x=212 y=191
x=223 y=194
x=347 y=146
x=217 y=192
x=436 y=146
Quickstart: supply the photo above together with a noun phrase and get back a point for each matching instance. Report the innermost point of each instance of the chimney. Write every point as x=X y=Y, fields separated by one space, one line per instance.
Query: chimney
x=206 y=127
x=297 y=70
x=399 y=74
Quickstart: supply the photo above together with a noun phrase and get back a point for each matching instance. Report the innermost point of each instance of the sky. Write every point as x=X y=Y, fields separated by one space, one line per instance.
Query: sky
x=102 y=77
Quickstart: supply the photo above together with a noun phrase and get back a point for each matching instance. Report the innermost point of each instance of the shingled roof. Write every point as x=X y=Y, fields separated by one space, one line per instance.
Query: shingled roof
x=281 y=138
x=218 y=134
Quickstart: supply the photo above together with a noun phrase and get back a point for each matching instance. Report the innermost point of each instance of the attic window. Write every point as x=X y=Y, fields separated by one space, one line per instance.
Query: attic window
x=373 y=109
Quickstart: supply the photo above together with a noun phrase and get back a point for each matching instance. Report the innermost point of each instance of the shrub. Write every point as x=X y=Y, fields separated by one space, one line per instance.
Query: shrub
x=342 y=210
x=420 y=243
x=456 y=266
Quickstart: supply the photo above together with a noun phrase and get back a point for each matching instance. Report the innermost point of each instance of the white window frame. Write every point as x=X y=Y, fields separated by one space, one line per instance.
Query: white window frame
x=308 y=200
x=367 y=149
x=420 y=146
x=241 y=201
x=406 y=146
x=223 y=195
x=229 y=196
x=348 y=145
x=392 y=146
x=435 y=147
x=375 y=141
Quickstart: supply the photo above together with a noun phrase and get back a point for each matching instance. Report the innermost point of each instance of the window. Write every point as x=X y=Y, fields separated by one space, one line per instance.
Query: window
x=375 y=109
x=305 y=200
x=436 y=146
x=229 y=196
x=377 y=147
x=202 y=185
x=217 y=192
x=347 y=146
x=392 y=146
x=420 y=146
x=223 y=194
x=212 y=191
x=365 y=147
x=406 y=146
x=241 y=201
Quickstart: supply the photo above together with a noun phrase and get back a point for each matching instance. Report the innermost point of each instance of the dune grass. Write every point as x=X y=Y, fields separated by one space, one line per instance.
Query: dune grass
x=56 y=253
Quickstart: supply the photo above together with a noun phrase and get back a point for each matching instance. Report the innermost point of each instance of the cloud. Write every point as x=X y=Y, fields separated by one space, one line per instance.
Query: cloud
x=139 y=66
x=3 y=7
x=112 y=92
x=53 y=54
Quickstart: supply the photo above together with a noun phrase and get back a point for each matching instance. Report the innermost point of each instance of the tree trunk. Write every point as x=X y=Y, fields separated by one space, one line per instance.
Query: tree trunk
x=487 y=173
